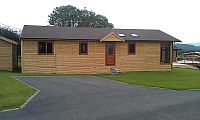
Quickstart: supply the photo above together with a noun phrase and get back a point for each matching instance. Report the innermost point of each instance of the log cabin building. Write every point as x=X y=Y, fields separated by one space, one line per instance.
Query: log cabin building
x=8 y=54
x=76 y=50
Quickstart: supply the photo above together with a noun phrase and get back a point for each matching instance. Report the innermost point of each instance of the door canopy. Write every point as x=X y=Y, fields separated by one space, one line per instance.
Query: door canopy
x=112 y=37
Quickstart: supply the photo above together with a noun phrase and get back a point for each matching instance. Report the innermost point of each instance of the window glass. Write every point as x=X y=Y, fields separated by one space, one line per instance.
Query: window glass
x=110 y=49
x=131 y=48
x=45 y=47
x=42 y=47
x=165 y=52
x=83 y=48
x=49 y=48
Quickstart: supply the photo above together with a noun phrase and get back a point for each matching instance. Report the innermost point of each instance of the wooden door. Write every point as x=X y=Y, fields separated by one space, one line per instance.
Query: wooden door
x=110 y=54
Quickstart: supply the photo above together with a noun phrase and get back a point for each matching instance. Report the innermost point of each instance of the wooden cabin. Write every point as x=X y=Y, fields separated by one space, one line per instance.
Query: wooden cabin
x=8 y=54
x=76 y=50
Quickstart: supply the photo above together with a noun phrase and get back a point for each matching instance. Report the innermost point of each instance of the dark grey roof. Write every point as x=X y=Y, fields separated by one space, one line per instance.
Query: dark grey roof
x=8 y=40
x=79 y=33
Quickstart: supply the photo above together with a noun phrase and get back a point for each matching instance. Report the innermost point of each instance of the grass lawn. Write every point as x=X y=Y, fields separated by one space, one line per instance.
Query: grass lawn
x=13 y=93
x=177 y=79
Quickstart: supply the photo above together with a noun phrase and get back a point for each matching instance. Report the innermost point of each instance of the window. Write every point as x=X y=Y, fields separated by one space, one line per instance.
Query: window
x=134 y=35
x=45 y=48
x=131 y=48
x=83 y=49
x=110 y=49
x=165 y=52
x=121 y=35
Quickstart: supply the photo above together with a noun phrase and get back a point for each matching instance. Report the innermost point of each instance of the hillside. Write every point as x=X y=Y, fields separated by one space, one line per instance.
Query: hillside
x=188 y=47
x=196 y=44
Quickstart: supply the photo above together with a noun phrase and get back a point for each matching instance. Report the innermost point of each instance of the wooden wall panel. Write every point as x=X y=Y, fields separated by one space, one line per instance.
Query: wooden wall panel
x=5 y=55
x=32 y=62
x=152 y=57
x=66 y=58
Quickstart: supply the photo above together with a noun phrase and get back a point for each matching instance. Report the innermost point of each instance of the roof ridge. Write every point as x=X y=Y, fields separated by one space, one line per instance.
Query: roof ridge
x=64 y=27
x=90 y=27
x=136 y=29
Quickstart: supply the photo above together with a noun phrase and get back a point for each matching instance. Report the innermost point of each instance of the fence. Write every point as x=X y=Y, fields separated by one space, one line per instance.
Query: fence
x=188 y=59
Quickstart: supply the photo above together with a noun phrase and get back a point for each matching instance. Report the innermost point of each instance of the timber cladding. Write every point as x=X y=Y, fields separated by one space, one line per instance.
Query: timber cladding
x=66 y=59
x=5 y=55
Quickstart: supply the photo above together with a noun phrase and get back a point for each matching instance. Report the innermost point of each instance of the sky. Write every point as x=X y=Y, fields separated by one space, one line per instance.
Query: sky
x=179 y=18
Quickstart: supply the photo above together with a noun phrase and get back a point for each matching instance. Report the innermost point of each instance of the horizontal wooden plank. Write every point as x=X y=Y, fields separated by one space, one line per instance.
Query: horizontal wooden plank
x=66 y=58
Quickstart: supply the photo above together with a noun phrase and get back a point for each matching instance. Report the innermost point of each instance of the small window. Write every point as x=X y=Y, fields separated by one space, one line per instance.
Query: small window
x=42 y=47
x=45 y=47
x=110 y=49
x=134 y=35
x=49 y=48
x=83 y=49
x=131 y=48
x=165 y=53
x=121 y=35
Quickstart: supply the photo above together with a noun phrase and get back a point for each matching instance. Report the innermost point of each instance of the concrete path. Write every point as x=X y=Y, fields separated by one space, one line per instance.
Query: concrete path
x=184 y=66
x=91 y=98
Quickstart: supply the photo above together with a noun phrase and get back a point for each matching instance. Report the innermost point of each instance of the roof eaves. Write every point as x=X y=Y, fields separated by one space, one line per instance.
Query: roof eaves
x=8 y=40
x=26 y=38
x=175 y=39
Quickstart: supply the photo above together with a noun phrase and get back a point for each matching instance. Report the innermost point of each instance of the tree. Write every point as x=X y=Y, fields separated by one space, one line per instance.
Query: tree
x=9 y=33
x=70 y=16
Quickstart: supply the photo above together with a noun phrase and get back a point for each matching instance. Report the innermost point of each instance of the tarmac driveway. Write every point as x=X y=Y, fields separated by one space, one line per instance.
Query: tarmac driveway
x=91 y=98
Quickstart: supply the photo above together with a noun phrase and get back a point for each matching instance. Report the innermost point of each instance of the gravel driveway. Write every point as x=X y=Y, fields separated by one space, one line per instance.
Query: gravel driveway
x=91 y=98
